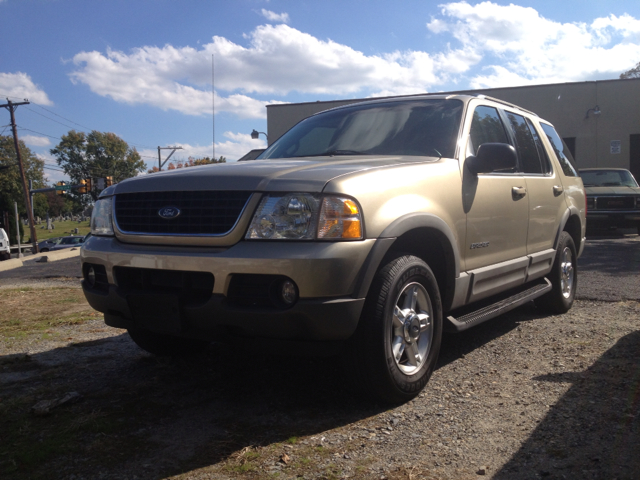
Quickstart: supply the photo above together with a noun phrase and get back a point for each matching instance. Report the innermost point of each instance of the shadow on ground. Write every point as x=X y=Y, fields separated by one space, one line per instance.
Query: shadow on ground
x=572 y=441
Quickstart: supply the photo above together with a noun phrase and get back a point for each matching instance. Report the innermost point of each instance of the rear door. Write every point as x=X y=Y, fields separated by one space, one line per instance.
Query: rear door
x=544 y=186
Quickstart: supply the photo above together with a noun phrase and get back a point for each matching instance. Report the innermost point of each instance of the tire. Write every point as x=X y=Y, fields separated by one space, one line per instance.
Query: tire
x=563 y=277
x=402 y=315
x=44 y=250
x=166 y=345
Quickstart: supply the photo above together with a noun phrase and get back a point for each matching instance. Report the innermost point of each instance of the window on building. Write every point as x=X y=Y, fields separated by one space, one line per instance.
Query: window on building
x=634 y=155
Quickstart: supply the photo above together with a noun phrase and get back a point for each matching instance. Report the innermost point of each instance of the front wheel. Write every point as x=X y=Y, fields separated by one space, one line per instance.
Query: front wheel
x=563 y=277
x=166 y=345
x=396 y=345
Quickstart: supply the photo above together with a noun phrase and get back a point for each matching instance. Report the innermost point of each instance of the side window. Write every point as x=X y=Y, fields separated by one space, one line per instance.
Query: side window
x=562 y=152
x=486 y=127
x=542 y=152
x=526 y=145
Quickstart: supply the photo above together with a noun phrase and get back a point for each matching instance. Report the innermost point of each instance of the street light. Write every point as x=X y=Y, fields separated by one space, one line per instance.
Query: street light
x=255 y=134
x=595 y=110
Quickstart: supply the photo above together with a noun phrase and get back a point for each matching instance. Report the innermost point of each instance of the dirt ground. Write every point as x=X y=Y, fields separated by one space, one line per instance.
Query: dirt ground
x=524 y=396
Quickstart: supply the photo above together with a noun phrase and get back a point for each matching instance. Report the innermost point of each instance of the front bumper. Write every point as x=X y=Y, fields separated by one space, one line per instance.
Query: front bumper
x=627 y=219
x=326 y=275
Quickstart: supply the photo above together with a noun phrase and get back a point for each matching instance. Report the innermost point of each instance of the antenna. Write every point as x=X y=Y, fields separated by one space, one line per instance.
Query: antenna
x=213 y=110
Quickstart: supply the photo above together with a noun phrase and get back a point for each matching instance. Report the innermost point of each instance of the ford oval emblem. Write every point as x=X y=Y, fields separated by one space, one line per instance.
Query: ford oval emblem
x=169 y=213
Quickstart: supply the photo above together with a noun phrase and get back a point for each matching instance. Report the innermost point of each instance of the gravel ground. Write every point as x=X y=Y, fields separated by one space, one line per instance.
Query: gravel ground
x=524 y=396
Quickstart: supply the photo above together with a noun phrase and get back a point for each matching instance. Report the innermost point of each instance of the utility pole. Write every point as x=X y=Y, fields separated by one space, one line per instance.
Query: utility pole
x=12 y=107
x=160 y=162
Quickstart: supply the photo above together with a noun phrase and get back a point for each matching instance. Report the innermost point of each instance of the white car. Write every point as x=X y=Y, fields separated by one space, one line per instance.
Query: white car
x=5 y=250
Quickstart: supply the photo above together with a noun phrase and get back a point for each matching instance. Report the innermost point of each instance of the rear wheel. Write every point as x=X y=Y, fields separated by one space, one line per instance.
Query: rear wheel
x=396 y=346
x=563 y=277
x=166 y=345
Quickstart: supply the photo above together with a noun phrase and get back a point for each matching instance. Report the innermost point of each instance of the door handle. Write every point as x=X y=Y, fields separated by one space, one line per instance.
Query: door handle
x=518 y=192
x=557 y=190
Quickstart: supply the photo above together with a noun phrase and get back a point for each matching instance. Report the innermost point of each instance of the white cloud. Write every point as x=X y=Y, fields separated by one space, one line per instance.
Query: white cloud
x=491 y=45
x=35 y=141
x=521 y=47
x=278 y=60
x=19 y=85
x=275 y=17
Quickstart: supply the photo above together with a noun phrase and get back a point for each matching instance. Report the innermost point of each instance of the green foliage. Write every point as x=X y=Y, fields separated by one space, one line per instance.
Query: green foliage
x=631 y=73
x=11 y=189
x=190 y=162
x=96 y=155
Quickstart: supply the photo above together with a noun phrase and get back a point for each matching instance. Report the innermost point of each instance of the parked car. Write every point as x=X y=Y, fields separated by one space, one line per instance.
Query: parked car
x=364 y=230
x=613 y=198
x=45 y=245
x=5 y=247
x=67 y=242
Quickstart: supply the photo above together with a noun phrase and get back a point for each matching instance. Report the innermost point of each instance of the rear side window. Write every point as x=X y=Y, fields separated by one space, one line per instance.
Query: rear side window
x=562 y=152
x=527 y=148
x=486 y=127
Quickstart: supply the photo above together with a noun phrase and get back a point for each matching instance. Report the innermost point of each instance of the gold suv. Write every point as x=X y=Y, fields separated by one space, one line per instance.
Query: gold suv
x=366 y=230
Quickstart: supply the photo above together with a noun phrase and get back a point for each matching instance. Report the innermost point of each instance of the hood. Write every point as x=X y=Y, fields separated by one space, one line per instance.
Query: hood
x=612 y=190
x=298 y=175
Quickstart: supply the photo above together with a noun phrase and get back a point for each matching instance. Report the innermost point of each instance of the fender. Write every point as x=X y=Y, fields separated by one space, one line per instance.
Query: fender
x=397 y=228
x=571 y=210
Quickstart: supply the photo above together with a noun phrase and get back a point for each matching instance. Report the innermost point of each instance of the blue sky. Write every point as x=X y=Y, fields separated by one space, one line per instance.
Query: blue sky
x=142 y=69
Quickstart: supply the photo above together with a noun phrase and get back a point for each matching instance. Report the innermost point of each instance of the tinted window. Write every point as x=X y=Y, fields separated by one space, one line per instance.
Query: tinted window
x=562 y=152
x=542 y=152
x=417 y=127
x=525 y=143
x=486 y=127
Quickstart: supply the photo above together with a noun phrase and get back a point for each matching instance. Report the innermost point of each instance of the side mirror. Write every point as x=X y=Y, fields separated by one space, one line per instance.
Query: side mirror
x=491 y=157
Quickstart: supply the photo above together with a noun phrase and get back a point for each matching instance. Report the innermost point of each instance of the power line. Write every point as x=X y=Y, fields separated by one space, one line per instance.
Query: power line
x=53 y=113
x=49 y=118
x=39 y=133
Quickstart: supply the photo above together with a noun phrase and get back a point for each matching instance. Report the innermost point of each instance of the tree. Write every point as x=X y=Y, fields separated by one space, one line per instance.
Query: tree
x=631 y=73
x=10 y=181
x=190 y=162
x=96 y=155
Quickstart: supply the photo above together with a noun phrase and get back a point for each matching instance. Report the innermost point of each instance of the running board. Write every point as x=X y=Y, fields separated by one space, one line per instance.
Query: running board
x=483 y=314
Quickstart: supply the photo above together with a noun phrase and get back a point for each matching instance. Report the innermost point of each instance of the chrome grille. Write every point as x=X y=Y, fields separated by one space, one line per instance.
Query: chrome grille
x=201 y=212
x=615 y=203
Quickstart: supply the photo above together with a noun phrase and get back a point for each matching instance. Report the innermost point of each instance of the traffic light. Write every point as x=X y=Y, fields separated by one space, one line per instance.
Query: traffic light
x=60 y=184
x=108 y=181
x=86 y=186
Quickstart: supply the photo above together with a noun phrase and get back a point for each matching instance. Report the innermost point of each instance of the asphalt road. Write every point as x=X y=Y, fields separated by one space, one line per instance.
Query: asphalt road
x=609 y=269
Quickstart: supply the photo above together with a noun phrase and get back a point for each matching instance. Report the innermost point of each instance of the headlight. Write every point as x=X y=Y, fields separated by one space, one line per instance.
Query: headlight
x=306 y=216
x=101 y=218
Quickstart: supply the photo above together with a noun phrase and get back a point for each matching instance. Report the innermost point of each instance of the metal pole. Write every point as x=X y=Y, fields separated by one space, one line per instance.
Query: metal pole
x=11 y=107
x=31 y=196
x=20 y=255
x=213 y=108
x=159 y=160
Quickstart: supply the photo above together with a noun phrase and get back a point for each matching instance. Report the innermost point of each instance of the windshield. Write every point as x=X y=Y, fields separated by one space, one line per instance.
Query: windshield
x=413 y=127
x=608 y=178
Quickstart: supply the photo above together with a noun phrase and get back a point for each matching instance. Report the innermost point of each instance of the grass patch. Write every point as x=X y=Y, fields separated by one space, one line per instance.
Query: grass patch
x=61 y=229
x=29 y=311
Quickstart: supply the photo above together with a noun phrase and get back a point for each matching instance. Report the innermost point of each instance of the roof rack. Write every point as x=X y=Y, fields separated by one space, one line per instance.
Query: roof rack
x=497 y=100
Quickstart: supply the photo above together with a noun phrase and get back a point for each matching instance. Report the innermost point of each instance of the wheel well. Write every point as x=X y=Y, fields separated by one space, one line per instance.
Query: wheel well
x=433 y=247
x=573 y=228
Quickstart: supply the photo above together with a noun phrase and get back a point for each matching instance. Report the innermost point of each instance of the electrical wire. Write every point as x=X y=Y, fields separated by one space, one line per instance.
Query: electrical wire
x=49 y=118
x=75 y=123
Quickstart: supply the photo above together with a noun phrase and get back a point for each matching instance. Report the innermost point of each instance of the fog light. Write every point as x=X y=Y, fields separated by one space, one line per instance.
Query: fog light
x=289 y=292
x=91 y=277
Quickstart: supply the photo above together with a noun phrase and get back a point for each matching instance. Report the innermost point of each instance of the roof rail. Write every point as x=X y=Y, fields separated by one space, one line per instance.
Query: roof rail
x=497 y=100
